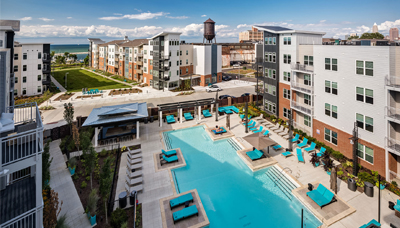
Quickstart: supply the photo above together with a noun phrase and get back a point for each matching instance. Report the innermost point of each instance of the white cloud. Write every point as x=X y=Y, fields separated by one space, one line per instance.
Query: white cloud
x=118 y=14
x=243 y=26
x=322 y=21
x=141 y=16
x=26 y=19
x=385 y=26
x=203 y=15
x=46 y=19
x=178 y=17
x=69 y=17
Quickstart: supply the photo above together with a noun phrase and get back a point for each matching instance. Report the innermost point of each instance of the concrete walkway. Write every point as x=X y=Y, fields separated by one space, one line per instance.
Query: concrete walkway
x=60 y=87
x=61 y=182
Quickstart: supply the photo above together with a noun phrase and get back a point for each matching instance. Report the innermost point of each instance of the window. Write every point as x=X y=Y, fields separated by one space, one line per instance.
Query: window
x=334 y=111
x=286 y=112
x=15 y=56
x=39 y=55
x=180 y=62
x=274 y=57
x=145 y=61
x=177 y=53
x=307 y=79
x=307 y=99
x=308 y=60
x=177 y=72
x=270 y=41
x=39 y=77
x=24 y=56
x=286 y=93
x=284 y=58
x=187 y=70
x=334 y=88
x=187 y=61
x=365 y=153
x=369 y=122
x=369 y=95
x=39 y=89
x=273 y=74
x=270 y=106
x=162 y=42
x=145 y=52
x=369 y=68
x=284 y=40
x=289 y=41
x=24 y=91
x=177 y=63
x=286 y=76
x=327 y=109
x=16 y=79
x=180 y=53
x=334 y=65
x=15 y=92
x=39 y=66
x=16 y=68
x=187 y=52
x=135 y=66
x=274 y=40
x=130 y=59
x=331 y=112
x=327 y=64
x=151 y=72
x=270 y=89
x=151 y=62
x=145 y=69
x=307 y=121
x=330 y=136
x=24 y=68
x=327 y=86
x=360 y=94
x=180 y=72
x=287 y=59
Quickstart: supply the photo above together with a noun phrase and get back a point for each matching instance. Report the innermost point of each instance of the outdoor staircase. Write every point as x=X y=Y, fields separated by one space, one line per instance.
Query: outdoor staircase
x=281 y=181
x=167 y=141
x=234 y=144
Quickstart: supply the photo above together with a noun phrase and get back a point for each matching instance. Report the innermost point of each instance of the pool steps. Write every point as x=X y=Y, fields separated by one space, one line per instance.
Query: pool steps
x=234 y=144
x=167 y=141
x=281 y=181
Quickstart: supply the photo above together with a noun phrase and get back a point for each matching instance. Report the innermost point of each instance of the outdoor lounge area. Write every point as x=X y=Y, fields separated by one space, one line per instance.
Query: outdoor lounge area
x=169 y=159
x=219 y=133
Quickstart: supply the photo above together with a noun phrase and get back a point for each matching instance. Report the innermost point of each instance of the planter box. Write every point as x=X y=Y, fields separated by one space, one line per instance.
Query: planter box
x=72 y=171
x=92 y=220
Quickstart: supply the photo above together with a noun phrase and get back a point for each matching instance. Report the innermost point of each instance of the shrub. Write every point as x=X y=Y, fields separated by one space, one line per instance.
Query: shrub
x=364 y=176
x=340 y=173
x=75 y=177
x=88 y=178
x=72 y=162
x=83 y=185
x=337 y=155
x=394 y=183
x=118 y=217
x=92 y=202
x=103 y=153
x=123 y=148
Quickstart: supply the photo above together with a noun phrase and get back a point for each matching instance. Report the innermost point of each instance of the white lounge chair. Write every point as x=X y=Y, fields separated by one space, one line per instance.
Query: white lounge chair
x=134 y=161
x=281 y=129
x=285 y=132
x=275 y=128
x=131 y=167
x=135 y=174
x=137 y=188
x=134 y=181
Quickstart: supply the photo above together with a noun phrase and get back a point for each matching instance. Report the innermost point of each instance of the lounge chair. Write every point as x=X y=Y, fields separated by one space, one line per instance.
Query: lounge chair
x=227 y=111
x=266 y=133
x=397 y=206
x=276 y=127
x=134 y=174
x=188 y=116
x=206 y=113
x=236 y=110
x=321 y=196
x=168 y=153
x=373 y=221
x=287 y=154
x=134 y=161
x=280 y=129
x=299 y=154
x=132 y=157
x=219 y=132
x=296 y=138
x=259 y=130
x=169 y=159
x=241 y=116
x=251 y=122
x=277 y=147
x=285 y=132
x=133 y=167
x=181 y=200
x=321 y=152
x=252 y=125
x=170 y=119
x=303 y=144
x=310 y=148
x=137 y=188
x=221 y=109
x=255 y=154
x=134 y=181
x=261 y=117
x=185 y=213
x=269 y=124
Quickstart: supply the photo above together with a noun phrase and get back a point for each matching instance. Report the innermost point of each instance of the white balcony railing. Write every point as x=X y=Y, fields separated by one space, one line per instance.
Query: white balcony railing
x=27 y=138
x=304 y=108
x=140 y=54
x=393 y=112
x=302 y=87
x=302 y=127
x=393 y=144
x=27 y=219
x=393 y=81
x=301 y=67
x=393 y=176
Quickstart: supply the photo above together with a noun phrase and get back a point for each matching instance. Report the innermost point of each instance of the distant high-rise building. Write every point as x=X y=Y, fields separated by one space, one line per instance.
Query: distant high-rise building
x=353 y=34
x=251 y=35
x=393 y=34
x=346 y=37
x=375 y=28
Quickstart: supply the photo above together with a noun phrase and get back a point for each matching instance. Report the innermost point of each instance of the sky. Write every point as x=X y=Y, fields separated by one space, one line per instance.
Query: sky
x=73 y=21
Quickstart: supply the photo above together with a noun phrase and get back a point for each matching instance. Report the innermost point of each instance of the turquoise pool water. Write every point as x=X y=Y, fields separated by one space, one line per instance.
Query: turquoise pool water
x=232 y=195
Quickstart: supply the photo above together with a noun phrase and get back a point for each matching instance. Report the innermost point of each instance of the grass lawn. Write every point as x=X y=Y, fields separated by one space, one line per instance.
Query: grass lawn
x=120 y=78
x=78 y=79
x=236 y=71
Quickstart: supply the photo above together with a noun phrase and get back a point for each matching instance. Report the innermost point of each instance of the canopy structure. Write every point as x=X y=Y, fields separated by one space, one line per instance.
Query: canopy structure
x=259 y=141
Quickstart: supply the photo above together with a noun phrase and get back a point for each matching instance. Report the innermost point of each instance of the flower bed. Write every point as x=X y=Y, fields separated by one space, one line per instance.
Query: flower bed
x=185 y=93
x=64 y=96
x=89 y=96
x=124 y=91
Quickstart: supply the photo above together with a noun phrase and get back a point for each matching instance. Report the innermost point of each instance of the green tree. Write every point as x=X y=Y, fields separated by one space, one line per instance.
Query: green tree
x=90 y=162
x=66 y=54
x=46 y=161
x=375 y=35
x=86 y=60
x=106 y=181
x=60 y=59
x=85 y=142
x=52 y=53
x=353 y=37
x=74 y=57
x=69 y=114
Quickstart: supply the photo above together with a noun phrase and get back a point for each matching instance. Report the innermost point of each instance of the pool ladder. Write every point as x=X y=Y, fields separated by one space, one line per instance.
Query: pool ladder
x=281 y=181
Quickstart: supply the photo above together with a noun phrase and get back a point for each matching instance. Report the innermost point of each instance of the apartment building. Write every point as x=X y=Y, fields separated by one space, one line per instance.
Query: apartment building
x=94 y=51
x=32 y=67
x=161 y=61
x=252 y=35
x=21 y=146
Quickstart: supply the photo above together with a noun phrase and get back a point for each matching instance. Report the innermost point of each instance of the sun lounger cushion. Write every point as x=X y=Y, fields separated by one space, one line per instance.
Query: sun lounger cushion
x=277 y=147
x=296 y=138
x=188 y=116
x=311 y=148
x=228 y=111
x=287 y=154
x=304 y=143
x=185 y=212
x=266 y=133
x=397 y=206
x=321 y=196
x=219 y=132
x=170 y=119
x=170 y=159
x=321 y=152
x=168 y=153
x=259 y=130
x=206 y=113
x=255 y=154
x=181 y=200
x=299 y=155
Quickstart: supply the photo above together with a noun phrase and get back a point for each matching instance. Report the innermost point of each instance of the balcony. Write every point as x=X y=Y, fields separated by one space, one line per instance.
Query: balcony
x=46 y=68
x=301 y=87
x=46 y=57
x=139 y=71
x=25 y=139
x=140 y=54
x=46 y=80
x=164 y=57
x=116 y=64
x=301 y=67
x=302 y=127
x=140 y=63
x=301 y=107
x=393 y=145
x=393 y=81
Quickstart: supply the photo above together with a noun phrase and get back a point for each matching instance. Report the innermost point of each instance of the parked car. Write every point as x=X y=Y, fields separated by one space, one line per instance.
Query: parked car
x=245 y=94
x=213 y=88
x=226 y=78
x=236 y=65
x=225 y=97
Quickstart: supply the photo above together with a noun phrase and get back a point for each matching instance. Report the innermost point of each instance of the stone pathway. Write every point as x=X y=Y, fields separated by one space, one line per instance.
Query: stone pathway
x=60 y=87
x=61 y=182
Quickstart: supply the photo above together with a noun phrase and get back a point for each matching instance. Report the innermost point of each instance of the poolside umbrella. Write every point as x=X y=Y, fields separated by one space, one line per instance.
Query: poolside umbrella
x=258 y=141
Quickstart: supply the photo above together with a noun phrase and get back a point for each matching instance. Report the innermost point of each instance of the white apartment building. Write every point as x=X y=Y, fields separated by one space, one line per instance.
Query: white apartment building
x=94 y=52
x=21 y=146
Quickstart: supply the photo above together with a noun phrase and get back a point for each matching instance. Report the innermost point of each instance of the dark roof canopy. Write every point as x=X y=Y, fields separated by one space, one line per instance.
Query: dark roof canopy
x=185 y=104
x=274 y=28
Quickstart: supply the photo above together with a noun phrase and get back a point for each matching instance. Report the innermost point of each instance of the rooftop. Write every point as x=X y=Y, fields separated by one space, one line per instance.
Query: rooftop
x=13 y=25
x=164 y=33
x=134 y=43
x=282 y=30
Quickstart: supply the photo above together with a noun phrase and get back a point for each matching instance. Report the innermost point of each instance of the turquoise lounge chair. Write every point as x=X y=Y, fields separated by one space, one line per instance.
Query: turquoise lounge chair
x=219 y=132
x=169 y=159
x=311 y=148
x=303 y=144
x=233 y=108
x=206 y=113
x=255 y=154
x=170 y=119
x=299 y=154
x=321 y=152
x=185 y=213
x=188 y=116
x=251 y=122
x=373 y=221
x=227 y=111
x=296 y=138
x=241 y=116
x=181 y=200
x=221 y=109
x=397 y=206
x=287 y=154
x=266 y=133
x=321 y=196
x=168 y=153
x=277 y=147
x=259 y=130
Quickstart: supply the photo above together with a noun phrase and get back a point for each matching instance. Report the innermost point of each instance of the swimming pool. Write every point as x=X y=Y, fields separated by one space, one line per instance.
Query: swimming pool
x=232 y=195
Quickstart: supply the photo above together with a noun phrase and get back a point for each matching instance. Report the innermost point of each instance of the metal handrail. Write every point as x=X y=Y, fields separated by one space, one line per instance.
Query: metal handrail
x=392 y=144
x=17 y=220
x=301 y=67
x=392 y=112
x=302 y=87
x=302 y=107
x=392 y=80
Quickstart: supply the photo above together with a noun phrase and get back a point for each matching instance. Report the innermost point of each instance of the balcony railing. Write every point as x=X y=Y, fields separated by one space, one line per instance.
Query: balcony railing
x=164 y=57
x=393 y=144
x=302 y=87
x=301 y=67
x=393 y=176
x=307 y=109
x=46 y=57
x=302 y=127
x=393 y=112
x=27 y=219
x=393 y=81
x=139 y=71
x=27 y=138
x=140 y=63
x=140 y=54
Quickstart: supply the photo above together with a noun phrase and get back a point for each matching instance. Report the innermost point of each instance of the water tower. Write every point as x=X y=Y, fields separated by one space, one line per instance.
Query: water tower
x=209 y=31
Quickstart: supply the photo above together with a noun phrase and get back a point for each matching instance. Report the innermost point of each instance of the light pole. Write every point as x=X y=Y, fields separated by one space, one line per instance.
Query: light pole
x=66 y=79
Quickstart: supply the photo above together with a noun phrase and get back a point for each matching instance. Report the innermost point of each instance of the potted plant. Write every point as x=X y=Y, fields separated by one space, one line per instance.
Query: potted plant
x=72 y=165
x=92 y=206
x=314 y=160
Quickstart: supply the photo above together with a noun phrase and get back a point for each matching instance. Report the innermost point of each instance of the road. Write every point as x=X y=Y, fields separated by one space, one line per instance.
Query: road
x=84 y=107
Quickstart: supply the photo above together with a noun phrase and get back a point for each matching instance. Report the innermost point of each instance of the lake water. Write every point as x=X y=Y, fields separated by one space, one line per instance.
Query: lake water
x=71 y=48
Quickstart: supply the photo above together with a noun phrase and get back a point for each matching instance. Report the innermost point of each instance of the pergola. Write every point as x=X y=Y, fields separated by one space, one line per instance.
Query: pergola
x=187 y=104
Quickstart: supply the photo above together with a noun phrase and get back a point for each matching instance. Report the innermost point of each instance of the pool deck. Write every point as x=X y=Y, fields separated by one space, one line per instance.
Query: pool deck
x=227 y=134
x=158 y=185
x=168 y=166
